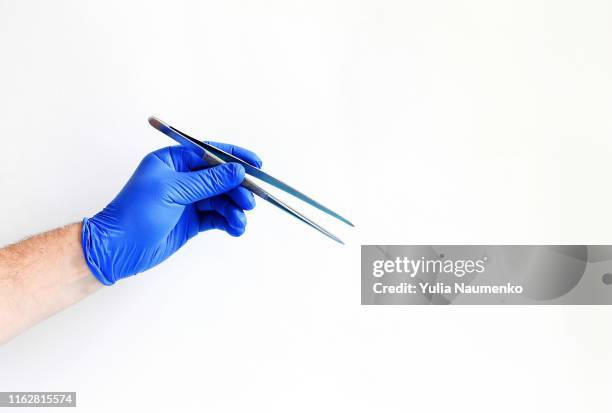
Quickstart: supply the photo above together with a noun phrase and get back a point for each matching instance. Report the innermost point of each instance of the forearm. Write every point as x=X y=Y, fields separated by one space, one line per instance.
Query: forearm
x=41 y=276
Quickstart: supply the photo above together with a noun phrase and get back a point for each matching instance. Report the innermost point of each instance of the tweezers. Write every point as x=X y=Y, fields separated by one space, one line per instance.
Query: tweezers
x=215 y=156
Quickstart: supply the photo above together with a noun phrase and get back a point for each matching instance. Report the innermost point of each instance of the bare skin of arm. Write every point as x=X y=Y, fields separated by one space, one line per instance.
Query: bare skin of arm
x=41 y=276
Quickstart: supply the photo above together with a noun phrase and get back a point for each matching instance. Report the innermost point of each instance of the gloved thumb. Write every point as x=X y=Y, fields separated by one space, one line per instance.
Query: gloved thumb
x=190 y=187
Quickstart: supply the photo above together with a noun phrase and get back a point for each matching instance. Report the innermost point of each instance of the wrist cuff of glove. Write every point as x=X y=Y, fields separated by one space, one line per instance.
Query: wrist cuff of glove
x=91 y=251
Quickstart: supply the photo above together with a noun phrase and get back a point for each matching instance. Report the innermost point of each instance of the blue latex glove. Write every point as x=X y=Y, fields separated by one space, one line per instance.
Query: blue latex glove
x=167 y=201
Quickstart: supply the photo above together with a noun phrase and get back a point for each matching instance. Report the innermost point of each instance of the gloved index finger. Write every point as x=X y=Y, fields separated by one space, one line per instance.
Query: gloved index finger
x=186 y=158
x=242 y=153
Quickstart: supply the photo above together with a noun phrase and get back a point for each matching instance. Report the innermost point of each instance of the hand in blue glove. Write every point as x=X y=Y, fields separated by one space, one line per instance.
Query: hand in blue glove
x=171 y=197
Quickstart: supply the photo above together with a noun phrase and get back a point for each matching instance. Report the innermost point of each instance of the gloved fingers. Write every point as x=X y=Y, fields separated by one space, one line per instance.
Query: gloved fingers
x=189 y=187
x=214 y=220
x=187 y=158
x=242 y=153
x=183 y=158
x=242 y=197
x=179 y=158
x=211 y=220
x=233 y=214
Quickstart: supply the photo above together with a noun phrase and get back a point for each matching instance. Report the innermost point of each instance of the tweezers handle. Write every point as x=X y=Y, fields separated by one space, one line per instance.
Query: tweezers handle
x=265 y=195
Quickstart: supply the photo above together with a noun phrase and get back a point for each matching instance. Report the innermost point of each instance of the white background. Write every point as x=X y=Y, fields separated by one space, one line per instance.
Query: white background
x=423 y=122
